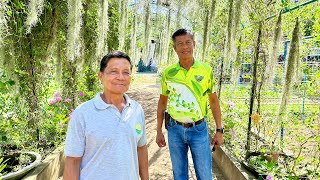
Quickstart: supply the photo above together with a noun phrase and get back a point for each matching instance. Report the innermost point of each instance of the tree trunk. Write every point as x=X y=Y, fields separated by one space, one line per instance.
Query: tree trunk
x=254 y=85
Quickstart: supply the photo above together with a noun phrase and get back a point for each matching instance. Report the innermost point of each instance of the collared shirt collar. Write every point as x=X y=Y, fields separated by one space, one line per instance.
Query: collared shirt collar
x=100 y=104
x=194 y=65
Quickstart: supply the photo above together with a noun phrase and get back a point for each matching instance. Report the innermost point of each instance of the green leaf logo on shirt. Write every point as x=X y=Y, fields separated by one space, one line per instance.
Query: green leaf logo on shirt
x=198 y=78
x=138 y=129
x=172 y=72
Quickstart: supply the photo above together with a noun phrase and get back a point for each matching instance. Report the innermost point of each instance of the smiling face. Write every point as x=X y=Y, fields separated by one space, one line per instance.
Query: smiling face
x=116 y=77
x=184 y=46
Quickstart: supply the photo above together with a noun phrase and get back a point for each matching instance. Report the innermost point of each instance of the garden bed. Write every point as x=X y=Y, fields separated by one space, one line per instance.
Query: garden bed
x=50 y=168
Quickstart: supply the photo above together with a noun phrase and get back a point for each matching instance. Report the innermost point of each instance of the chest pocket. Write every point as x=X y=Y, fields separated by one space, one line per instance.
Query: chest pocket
x=199 y=84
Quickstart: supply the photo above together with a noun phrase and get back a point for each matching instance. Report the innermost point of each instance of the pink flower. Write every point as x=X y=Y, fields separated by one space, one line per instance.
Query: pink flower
x=58 y=99
x=67 y=100
x=269 y=177
x=81 y=94
x=233 y=134
x=52 y=101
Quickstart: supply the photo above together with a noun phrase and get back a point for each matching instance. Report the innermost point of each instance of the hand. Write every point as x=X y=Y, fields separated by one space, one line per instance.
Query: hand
x=217 y=140
x=160 y=140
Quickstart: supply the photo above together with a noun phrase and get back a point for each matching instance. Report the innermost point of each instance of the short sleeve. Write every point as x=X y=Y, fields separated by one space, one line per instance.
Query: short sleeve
x=143 y=139
x=211 y=82
x=164 y=87
x=75 y=140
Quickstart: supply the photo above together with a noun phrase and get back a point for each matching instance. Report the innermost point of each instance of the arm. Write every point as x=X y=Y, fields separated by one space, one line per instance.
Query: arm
x=216 y=112
x=143 y=162
x=72 y=168
x=162 y=105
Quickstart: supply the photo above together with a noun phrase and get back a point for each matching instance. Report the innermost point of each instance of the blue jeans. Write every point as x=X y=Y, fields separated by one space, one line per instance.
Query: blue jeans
x=197 y=139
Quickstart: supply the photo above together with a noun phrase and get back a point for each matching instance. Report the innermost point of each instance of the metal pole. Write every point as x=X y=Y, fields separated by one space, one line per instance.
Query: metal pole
x=291 y=9
x=304 y=94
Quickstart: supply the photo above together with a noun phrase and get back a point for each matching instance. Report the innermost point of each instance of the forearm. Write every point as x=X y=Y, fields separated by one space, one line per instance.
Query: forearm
x=71 y=168
x=215 y=109
x=162 y=105
x=143 y=162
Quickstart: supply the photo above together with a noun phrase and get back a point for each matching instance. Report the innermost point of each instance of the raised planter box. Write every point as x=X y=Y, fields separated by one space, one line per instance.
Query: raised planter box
x=50 y=168
x=230 y=166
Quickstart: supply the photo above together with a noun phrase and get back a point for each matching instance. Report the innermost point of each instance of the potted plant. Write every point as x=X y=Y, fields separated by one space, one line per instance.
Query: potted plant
x=18 y=164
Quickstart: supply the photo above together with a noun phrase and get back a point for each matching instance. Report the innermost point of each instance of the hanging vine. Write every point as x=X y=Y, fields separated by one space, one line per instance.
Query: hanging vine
x=35 y=8
x=74 y=25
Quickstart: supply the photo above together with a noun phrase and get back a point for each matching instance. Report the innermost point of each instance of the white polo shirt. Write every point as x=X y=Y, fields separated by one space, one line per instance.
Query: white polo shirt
x=106 y=139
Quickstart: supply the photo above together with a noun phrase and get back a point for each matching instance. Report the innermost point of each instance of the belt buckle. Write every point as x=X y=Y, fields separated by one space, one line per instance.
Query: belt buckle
x=193 y=124
x=188 y=125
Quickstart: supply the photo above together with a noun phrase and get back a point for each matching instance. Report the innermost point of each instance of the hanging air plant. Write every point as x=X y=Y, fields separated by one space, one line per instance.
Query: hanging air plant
x=133 y=48
x=291 y=68
x=75 y=21
x=3 y=27
x=102 y=28
x=147 y=31
x=236 y=47
x=123 y=23
x=229 y=35
x=3 y=20
x=35 y=8
x=275 y=48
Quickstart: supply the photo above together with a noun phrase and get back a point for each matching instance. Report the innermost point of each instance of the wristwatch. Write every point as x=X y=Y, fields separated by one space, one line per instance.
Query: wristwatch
x=220 y=130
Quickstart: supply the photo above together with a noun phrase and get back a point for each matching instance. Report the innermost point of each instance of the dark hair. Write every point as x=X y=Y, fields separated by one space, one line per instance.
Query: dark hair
x=181 y=32
x=114 y=54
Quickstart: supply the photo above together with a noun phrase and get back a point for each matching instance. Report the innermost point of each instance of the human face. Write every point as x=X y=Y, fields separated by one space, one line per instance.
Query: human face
x=116 y=77
x=184 y=46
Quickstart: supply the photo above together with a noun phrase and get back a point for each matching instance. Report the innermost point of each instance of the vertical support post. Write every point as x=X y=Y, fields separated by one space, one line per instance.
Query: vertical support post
x=304 y=94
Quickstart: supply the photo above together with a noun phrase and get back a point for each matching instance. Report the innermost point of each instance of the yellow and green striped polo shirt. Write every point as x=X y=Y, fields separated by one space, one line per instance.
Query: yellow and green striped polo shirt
x=187 y=90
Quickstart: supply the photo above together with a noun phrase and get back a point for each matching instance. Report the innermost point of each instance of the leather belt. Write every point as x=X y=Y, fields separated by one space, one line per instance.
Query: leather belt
x=188 y=125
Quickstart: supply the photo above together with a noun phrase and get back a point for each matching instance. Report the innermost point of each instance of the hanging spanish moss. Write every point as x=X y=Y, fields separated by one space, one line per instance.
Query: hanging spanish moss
x=102 y=28
x=290 y=70
x=236 y=65
x=167 y=36
x=147 y=31
x=123 y=23
x=208 y=16
x=35 y=8
x=275 y=48
x=229 y=35
x=74 y=25
x=3 y=28
x=133 y=38
x=237 y=16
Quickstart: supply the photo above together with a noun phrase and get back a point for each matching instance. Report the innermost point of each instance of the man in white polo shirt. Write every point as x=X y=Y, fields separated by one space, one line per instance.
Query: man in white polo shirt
x=106 y=136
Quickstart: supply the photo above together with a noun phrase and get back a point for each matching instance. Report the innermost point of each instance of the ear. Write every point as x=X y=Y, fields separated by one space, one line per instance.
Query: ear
x=100 y=75
x=174 y=47
x=194 y=44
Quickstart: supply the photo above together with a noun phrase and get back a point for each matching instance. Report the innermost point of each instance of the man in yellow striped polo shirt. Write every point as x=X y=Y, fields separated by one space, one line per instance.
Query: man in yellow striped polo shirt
x=186 y=87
